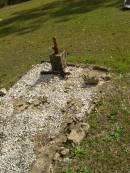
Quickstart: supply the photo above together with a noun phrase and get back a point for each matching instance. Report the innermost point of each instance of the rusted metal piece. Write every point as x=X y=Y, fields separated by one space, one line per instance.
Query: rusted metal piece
x=55 y=47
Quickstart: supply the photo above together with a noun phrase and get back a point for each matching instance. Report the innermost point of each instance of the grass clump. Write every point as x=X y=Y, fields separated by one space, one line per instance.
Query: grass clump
x=112 y=117
x=68 y=170
x=117 y=133
x=93 y=120
x=78 y=152
x=79 y=170
x=83 y=170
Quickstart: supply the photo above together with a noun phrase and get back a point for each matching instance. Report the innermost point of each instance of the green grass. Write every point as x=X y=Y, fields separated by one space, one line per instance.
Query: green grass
x=79 y=170
x=78 y=152
x=68 y=170
x=112 y=117
x=91 y=31
x=117 y=133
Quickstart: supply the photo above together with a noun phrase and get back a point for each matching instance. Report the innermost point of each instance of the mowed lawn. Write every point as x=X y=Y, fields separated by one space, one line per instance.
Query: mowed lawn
x=92 y=31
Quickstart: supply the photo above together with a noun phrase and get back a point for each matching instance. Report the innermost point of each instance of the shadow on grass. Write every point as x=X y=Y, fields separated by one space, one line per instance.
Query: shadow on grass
x=30 y=20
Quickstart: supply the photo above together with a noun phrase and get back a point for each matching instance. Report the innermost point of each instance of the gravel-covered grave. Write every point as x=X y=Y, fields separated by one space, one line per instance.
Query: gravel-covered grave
x=39 y=104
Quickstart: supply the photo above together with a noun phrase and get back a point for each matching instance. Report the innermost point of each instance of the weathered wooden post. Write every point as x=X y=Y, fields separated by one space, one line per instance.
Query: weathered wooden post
x=57 y=60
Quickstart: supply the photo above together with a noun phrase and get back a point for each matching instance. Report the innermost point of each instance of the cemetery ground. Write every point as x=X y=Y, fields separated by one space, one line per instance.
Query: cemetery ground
x=106 y=148
x=93 y=32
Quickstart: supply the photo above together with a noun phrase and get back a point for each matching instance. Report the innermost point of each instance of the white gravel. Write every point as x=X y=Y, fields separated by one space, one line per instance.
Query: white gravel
x=17 y=128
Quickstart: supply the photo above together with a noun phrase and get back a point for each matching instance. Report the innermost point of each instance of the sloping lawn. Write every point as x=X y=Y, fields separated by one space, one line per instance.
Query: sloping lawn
x=95 y=31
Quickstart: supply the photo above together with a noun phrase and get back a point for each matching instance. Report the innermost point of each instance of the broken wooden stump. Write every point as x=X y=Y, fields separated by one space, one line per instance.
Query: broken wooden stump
x=58 y=61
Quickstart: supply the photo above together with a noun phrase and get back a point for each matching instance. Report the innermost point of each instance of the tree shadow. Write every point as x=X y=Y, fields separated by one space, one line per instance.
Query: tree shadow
x=61 y=11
